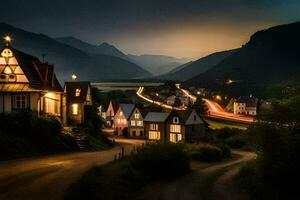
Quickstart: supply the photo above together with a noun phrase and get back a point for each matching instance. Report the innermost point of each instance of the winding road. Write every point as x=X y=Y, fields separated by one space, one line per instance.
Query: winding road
x=48 y=177
x=207 y=181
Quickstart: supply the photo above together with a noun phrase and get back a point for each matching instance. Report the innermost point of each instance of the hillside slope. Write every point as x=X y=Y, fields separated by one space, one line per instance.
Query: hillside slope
x=103 y=49
x=189 y=70
x=270 y=57
x=68 y=60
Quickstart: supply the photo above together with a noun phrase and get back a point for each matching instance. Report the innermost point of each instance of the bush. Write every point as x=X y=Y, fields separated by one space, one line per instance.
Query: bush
x=224 y=133
x=27 y=134
x=237 y=141
x=209 y=153
x=226 y=151
x=160 y=160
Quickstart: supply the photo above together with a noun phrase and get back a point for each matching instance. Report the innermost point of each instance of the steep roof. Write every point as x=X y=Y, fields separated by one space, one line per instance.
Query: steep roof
x=127 y=109
x=157 y=116
x=34 y=70
x=250 y=101
x=71 y=87
x=184 y=114
x=115 y=105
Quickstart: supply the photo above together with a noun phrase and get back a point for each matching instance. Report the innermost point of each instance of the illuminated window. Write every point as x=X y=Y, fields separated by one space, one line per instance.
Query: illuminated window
x=20 y=102
x=154 y=135
x=136 y=115
x=121 y=113
x=175 y=128
x=75 y=109
x=77 y=93
x=175 y=120
x=7 y=70
x=154 y=127
x=132 y=123
x=175 y=137
x=140 y=123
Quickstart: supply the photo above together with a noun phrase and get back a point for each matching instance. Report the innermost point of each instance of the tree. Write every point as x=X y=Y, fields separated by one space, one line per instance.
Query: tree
x=200 y=107
x=177 y=102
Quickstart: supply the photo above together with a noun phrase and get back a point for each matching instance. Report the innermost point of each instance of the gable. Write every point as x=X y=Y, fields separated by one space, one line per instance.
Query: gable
x=194 y=118
x=136 y=111
x=10 y=70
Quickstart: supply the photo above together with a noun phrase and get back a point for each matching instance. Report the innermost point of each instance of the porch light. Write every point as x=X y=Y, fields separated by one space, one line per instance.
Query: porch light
x=74 y=77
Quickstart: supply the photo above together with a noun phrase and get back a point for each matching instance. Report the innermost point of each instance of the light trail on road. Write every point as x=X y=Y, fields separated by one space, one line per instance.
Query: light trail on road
x=163 y=105
x=214 y=109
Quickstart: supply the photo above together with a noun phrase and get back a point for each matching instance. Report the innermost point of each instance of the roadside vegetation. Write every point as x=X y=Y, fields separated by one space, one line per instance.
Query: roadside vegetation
x=124 y=178
x=275 y=173
x=27 y=134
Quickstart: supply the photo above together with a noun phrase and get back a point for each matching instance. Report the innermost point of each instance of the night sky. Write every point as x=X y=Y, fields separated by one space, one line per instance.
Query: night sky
x=182 y=28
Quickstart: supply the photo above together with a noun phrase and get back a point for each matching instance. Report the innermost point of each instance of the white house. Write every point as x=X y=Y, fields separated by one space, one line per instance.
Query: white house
x=28 y=84
x=245 y=106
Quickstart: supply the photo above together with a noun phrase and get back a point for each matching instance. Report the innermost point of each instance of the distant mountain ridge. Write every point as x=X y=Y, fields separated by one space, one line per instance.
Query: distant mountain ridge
x=270 y=57
x=191 y=69
x=158 y=64
x=103 y=49
x=68 y=60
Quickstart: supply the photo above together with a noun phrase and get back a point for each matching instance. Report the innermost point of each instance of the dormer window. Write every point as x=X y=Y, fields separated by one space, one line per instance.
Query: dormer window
x=77 y=93
x=175 y=120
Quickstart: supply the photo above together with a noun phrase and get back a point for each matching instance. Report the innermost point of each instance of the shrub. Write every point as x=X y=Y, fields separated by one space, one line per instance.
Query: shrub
x=237 y=141
x=160 y=160
x=27 y=134
x=206 y=153
x=226 y=151
x=224 y=133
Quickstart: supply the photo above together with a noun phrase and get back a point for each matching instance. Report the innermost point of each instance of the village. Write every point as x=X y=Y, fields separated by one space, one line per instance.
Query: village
x=164 y=113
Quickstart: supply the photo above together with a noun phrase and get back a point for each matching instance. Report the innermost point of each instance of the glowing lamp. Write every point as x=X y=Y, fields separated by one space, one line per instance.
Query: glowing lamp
x=74 y=77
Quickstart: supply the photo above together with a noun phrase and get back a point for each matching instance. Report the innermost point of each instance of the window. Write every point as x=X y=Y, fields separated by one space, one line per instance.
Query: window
x=77 y=93
x=136 y=115
x=140 y=123
x=121 y=113
x=154 y=127
x=179 y=137
x=154 y=135
x=175 y=128
x=20 y=102
x=175 y=137
x=52 y=106
x=133 y=133
x=75 y=109
x=132 y=123
x=195 y=118
x=175 y=120
x=141 y=133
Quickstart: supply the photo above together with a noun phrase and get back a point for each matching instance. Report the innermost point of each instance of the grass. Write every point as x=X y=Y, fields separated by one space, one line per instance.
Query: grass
x=224 y=124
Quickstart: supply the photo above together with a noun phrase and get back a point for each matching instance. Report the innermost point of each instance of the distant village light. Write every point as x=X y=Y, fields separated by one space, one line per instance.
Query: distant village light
x=229 y=82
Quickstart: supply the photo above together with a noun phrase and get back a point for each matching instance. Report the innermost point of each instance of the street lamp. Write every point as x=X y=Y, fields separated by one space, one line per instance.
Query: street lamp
x=74 y=77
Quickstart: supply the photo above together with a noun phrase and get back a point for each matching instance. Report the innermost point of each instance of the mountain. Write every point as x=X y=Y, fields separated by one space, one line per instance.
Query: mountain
x=68 y=60
x=270 y=57
x=190 y=69
x=103 y=49
x=157 y=64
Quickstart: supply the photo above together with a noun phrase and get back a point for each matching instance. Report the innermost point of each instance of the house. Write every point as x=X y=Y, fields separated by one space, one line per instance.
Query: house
x=171 y=100
x=265 y=104
x=245 y=106
x=110 y=113
x=136 y=124
x=78 y=98
x=121 y=118
x=184 y=126
x=28 y=84
x=155 y=125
